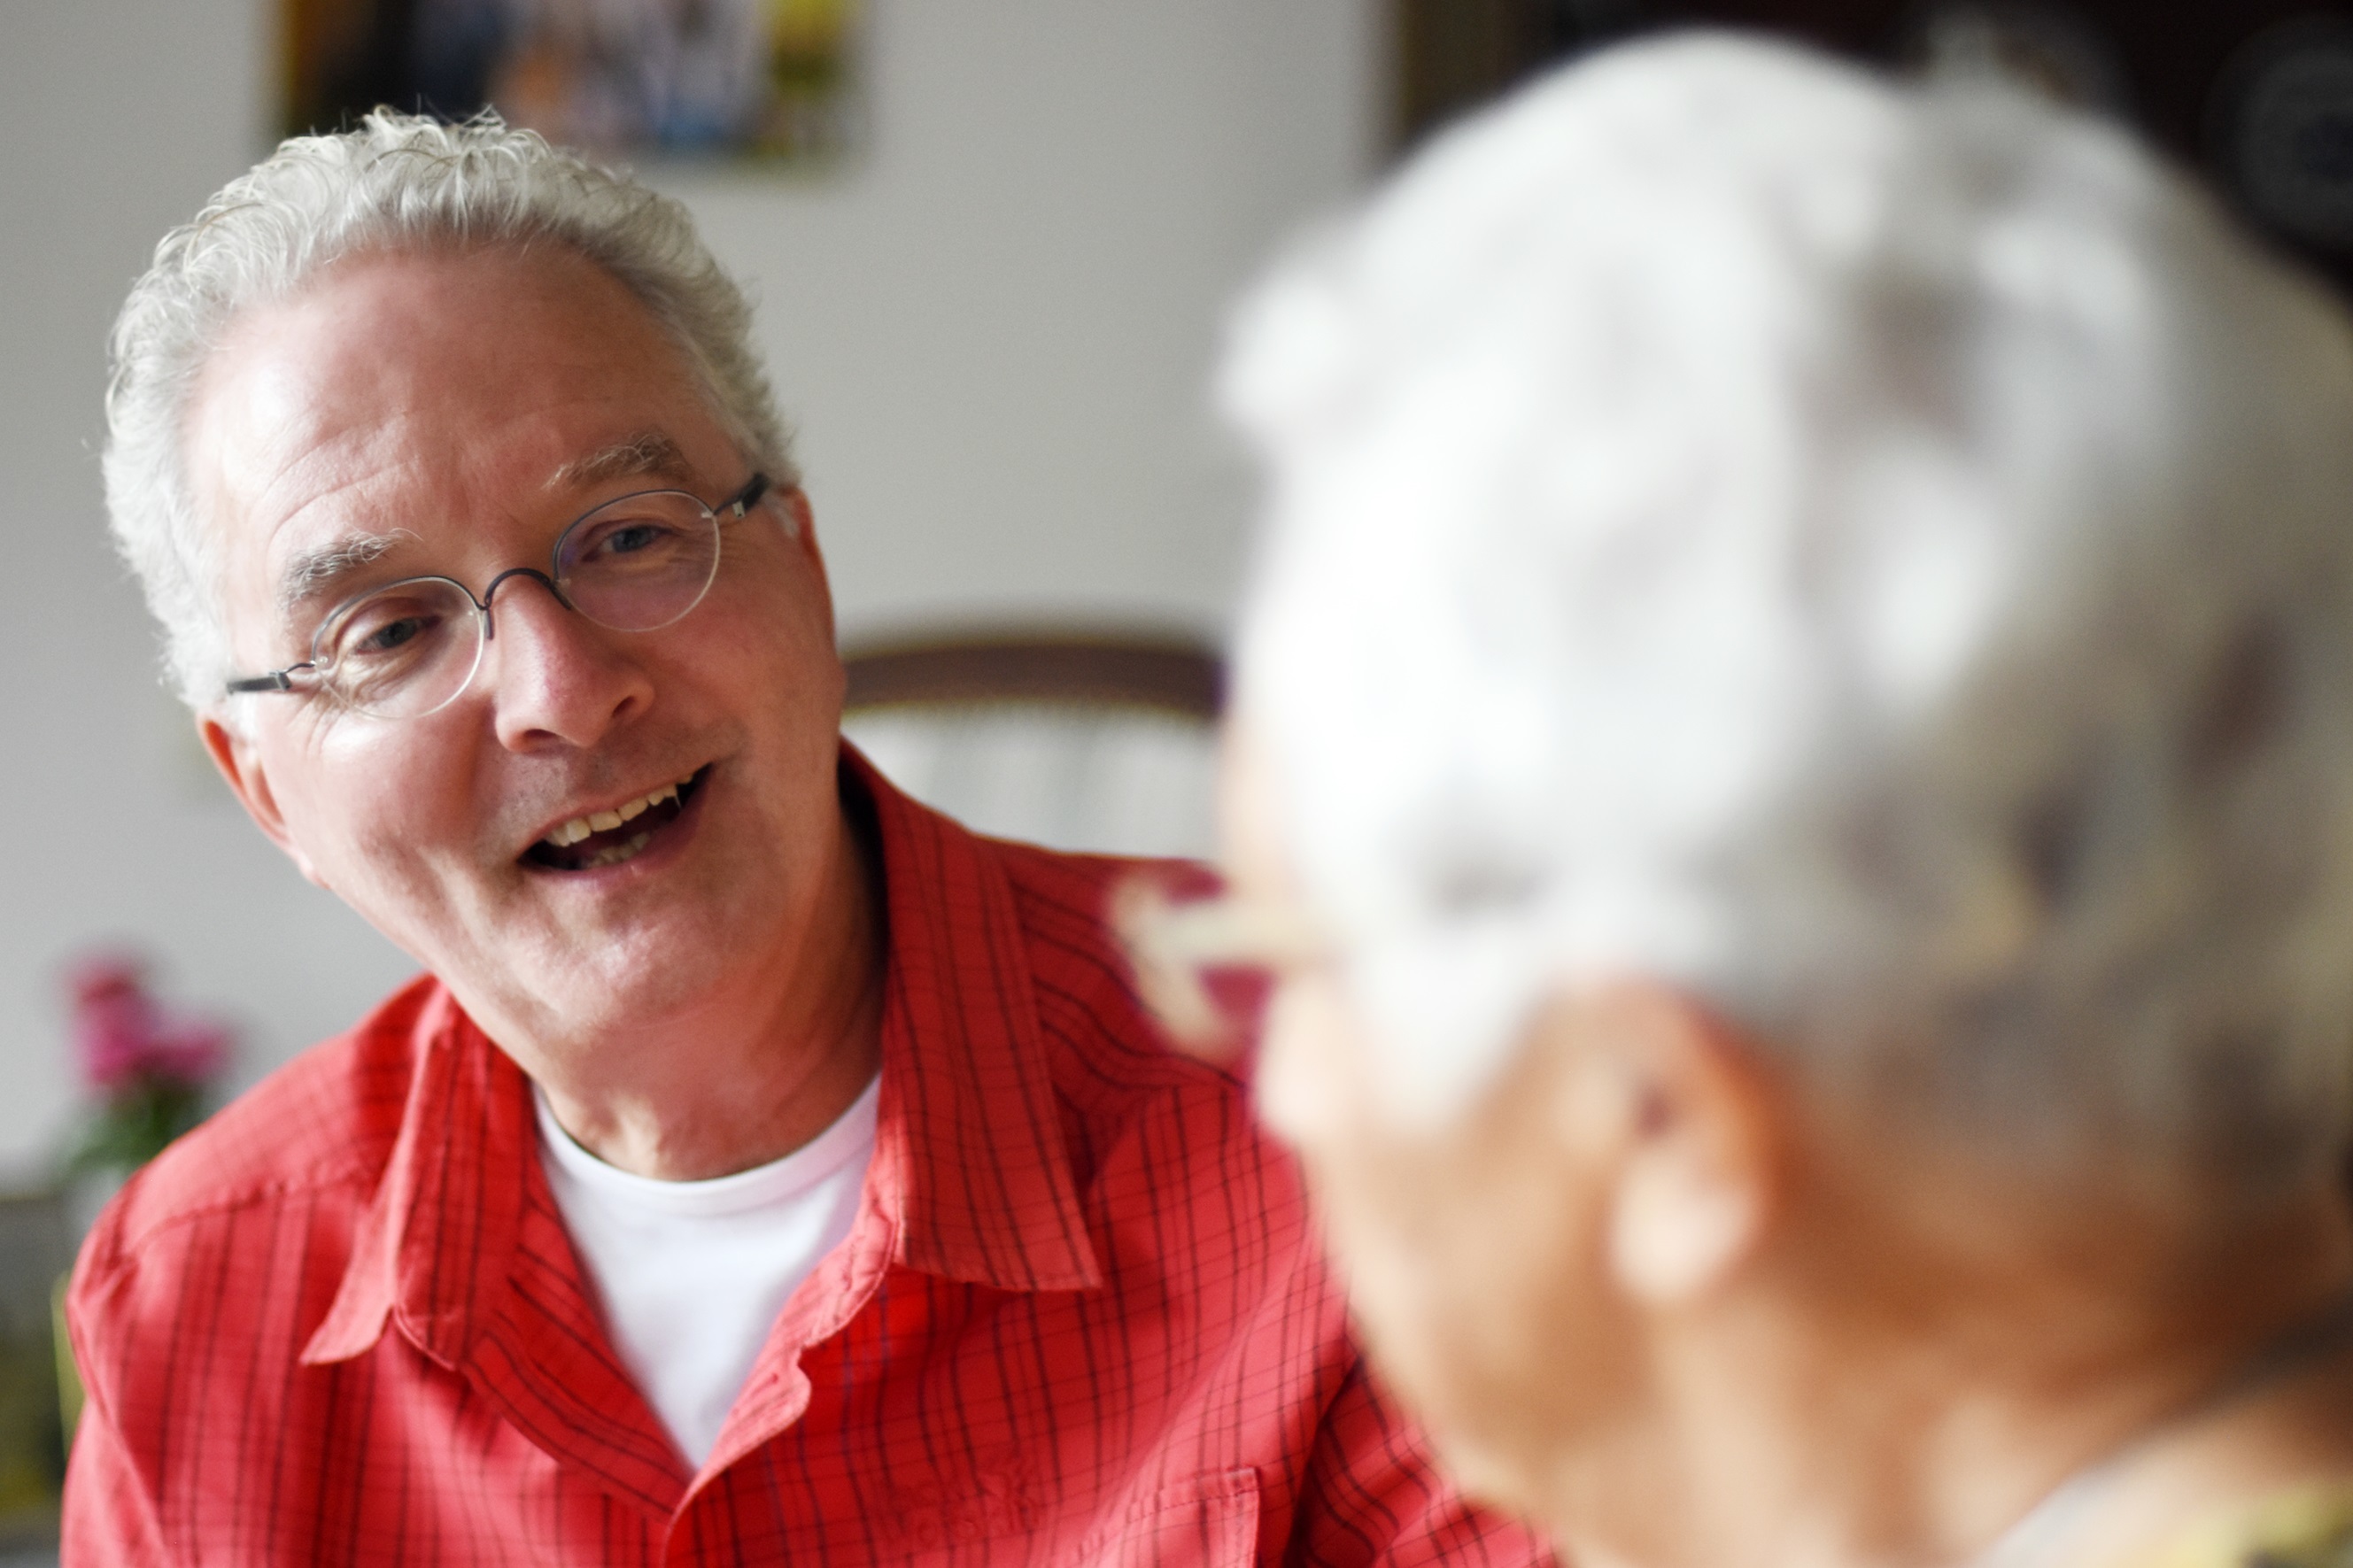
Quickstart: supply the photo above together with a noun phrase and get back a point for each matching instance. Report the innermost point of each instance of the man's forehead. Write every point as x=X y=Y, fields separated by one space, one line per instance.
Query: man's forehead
x=316 y=570
x=381 y=361
x=340 y=432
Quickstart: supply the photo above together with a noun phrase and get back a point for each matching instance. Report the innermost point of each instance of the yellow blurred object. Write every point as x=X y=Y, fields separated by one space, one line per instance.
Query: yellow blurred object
x=36 y=1245
x=2310 y=1527
x=805 y=27
x=812 y=107
x=68 y=1374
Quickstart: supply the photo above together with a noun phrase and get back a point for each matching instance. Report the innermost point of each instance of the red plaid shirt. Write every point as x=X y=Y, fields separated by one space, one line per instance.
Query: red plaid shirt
x=1081 y=1319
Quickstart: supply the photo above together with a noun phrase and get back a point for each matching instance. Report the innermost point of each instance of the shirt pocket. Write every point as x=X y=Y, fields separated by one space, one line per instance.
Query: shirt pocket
x=1209 y=1521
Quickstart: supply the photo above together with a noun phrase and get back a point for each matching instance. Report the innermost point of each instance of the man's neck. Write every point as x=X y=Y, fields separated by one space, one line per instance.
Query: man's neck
x=747 y=1078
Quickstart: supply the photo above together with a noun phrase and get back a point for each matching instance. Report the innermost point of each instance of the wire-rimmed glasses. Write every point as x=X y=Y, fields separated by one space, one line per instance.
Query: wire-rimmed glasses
x=636 y=563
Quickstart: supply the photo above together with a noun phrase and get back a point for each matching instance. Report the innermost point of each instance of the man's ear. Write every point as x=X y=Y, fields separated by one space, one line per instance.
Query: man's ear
x=1691 y=1125
x=800 y=524
x=800 y=519
x=240 y=764
x=795 y=503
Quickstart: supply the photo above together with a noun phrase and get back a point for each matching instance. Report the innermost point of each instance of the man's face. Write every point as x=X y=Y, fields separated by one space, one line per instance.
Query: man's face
x=450 y=415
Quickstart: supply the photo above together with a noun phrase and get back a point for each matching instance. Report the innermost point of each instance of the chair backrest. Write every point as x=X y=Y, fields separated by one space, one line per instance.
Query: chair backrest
x=1076 y=739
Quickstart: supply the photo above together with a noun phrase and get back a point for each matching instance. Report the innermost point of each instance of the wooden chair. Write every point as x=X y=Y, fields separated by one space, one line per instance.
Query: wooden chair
x=1101 y=742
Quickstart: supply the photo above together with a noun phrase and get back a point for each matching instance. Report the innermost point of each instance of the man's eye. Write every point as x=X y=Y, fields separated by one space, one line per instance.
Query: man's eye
x=630 y=538
x=391 y=635
x=624 y=541
x=386 y=632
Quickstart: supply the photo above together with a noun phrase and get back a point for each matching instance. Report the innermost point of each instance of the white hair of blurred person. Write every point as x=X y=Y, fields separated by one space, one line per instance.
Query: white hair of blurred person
x=1872 y=558
x=401 y=182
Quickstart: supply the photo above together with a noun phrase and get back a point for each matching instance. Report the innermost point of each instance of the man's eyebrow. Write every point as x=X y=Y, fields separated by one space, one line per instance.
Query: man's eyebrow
x=316 y=574
x=651 y=454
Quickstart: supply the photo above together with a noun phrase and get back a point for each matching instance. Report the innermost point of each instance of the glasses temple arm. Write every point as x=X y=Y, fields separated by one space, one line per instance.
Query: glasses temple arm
x=276 y=681
x=737 y=505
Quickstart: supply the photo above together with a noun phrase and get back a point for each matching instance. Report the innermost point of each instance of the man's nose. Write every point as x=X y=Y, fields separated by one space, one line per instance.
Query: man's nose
x=555 y=677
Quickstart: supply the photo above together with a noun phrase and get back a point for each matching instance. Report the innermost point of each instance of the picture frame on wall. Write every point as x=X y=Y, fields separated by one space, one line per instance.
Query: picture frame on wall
x=767 y=82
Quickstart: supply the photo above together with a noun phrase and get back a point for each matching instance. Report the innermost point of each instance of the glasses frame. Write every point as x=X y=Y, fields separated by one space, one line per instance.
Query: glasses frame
x=734 y=509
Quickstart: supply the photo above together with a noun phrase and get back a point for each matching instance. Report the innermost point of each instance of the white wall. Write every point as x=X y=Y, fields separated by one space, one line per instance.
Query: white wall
x=994 y=333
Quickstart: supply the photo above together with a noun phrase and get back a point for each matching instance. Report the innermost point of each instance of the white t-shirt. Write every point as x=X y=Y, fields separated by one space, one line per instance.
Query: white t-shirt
x=693 y=1274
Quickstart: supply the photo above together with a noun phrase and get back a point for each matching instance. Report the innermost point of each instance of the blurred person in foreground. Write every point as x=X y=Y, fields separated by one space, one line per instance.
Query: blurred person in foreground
x=766 y=1170
x=1794 y=770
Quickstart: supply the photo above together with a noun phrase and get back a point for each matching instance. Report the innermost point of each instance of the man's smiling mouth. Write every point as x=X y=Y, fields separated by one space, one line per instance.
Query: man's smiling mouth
x=609 y=837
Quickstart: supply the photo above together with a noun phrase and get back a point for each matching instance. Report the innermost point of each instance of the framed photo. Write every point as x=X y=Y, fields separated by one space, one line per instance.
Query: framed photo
x=773 y=82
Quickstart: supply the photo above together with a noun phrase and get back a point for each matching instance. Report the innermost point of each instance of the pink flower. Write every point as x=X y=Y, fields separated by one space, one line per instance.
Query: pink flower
x=122 y=1036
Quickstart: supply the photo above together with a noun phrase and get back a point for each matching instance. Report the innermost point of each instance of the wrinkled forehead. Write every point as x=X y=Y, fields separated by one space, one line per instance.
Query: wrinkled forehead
x=306 y=577
x=330 y=428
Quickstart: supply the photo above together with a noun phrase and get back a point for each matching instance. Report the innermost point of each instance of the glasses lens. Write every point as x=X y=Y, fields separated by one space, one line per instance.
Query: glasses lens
x=641 y=562
x=403 y=650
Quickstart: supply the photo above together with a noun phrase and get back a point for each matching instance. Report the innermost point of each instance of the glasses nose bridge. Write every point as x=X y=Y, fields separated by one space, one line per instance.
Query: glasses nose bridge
x=489 y=592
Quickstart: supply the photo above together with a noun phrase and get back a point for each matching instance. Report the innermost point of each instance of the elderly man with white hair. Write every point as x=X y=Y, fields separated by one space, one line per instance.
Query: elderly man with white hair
x=766 y=1170
x=1794 y=773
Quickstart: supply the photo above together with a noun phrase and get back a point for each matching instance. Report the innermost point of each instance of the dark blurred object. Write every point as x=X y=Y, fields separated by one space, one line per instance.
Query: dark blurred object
x=1096 y=741
x=771 y=80
x=36 y=1247
x=150 y=1070
x=1452 y=55
x=2257 y=95
x=2281 y=131
x=1163 y=672
x=2055 y=52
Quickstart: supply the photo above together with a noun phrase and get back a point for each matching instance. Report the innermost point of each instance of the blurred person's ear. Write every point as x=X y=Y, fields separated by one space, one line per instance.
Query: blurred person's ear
x=240 y=764
x=1688 y=1128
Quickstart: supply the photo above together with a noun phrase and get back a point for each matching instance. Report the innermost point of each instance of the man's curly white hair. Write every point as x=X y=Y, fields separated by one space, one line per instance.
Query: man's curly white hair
x=395 y=183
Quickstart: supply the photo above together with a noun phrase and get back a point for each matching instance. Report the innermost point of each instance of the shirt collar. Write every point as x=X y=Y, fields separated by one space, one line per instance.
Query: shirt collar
x=433 y=1246
x=971 y=1167
x=970 y=1148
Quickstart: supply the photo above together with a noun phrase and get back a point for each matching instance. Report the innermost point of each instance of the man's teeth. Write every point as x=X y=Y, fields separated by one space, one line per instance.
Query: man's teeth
x=580 y=828
x=613 y=854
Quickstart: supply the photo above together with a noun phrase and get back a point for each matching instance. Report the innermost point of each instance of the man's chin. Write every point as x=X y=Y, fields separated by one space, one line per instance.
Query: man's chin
x=556 y=980
x=570 y=1013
